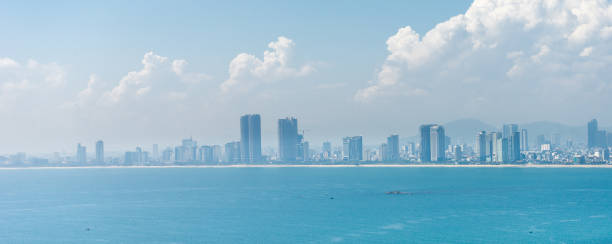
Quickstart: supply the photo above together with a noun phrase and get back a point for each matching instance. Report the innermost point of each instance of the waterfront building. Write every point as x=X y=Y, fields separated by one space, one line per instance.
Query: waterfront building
x=99 y=151
x=81 y=155
x=288 y=139
x=232 y=152
x=481 y=146
x=250 y=138
x=524 y=140
x=425 y=152
x=437 y=143
x=352 y=148
x=392 y=152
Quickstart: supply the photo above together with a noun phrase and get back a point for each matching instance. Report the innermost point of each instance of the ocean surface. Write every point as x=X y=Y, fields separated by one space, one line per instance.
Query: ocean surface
x=306 y=205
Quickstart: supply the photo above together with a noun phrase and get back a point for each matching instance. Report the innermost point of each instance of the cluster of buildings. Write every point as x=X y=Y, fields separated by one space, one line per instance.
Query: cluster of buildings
x=509 y=145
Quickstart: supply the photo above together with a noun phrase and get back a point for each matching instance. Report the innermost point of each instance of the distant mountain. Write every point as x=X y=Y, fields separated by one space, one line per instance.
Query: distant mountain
x=465 y=130
x=576 y=133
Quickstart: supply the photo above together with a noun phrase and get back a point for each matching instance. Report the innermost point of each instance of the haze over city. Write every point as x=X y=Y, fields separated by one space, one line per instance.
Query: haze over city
x=140 y=73
x=284 y=121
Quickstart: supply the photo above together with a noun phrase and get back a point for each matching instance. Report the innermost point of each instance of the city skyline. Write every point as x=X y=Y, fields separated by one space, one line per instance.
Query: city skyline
x=274 y=142
x=93 y=77
x=505 y=145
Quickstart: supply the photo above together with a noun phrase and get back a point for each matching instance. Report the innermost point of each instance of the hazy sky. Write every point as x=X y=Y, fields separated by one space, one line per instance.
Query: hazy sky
x=148 y=72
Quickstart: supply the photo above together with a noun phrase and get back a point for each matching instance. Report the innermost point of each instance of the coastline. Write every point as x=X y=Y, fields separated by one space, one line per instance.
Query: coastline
x=316 y=166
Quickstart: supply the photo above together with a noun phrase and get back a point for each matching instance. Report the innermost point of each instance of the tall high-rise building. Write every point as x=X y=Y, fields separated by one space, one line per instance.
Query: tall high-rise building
x=250 y=138
x=217 y=153
x=167 y=154
x=300 y=156
x=383 y=152
x=352 y=148
x=393 y=148
x=481 y=146
x=425 y=152
x=100 y=151
x=458 y=153
x=515 y=146
x=346 y=141
x=592 y=134
x=508 y=129
x=494 y=145
x=287 y=139
x=232 y=152
x=326 y=150
x=189 y=149
x=438 y=143
x=81 y=156
x=524 y=140
x=205 y=154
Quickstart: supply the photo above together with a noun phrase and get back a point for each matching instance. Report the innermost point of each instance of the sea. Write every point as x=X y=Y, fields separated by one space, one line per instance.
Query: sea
x=306 y=205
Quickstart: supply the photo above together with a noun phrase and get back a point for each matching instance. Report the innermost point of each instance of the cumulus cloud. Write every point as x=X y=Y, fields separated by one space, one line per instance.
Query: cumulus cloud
x=8 y=63
x=499 y=50
x=20 y=82
x=157 y=72
x=246 y=70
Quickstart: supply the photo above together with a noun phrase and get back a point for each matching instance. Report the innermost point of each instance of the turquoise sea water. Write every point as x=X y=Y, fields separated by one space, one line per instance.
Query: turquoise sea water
x=305 y=205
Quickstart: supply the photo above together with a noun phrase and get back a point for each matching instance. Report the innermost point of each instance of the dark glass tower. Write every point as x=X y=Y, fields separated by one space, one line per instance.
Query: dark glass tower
x=288 y=139
x=250 y=138
x=425 y=153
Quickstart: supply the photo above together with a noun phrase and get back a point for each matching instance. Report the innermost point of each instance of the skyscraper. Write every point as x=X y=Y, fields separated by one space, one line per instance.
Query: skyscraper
x=189 y=149
x=458 y=153
x=481 y=146
x=205 y=154
x=508 y=129
x=494 y=144
x=438 y=143
x=232 y=152
x=515 y=146
x=100 y=151
x=524 y=140
x=287 y=139
x=425 y=153
x=393 y=148
x=383 y=152
x=595 y=137
x=81 y=156
x=217 y=153
x=352 y=148
x=592 y=133
x=250 y=138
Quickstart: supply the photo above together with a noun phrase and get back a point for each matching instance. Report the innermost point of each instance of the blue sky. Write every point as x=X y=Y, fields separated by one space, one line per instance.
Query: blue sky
x=142 y=72
x=89 y=35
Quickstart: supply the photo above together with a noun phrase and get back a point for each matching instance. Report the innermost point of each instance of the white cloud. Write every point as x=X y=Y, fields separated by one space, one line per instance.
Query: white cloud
x=586 y=52
x=158 y=72
x=178 y=66
x=507 y=50
x=246 y=70
x=19 y=83
x=8 y=63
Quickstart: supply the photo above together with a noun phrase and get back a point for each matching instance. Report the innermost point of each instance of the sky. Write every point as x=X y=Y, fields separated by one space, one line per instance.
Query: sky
x=142 y=72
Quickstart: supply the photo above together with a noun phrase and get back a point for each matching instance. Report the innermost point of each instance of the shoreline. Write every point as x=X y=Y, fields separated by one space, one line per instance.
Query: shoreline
x=315 y=166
